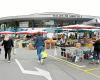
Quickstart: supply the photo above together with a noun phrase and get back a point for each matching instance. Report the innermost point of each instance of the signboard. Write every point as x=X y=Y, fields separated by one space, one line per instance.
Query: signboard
x=67 y=16
x=50 y=22
x=24 y=24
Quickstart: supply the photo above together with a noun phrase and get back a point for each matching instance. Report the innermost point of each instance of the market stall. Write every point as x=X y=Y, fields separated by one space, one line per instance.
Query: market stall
x=50 y=43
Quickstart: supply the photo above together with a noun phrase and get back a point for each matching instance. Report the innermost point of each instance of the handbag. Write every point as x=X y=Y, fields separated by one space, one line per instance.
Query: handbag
x=44 y=54
x=13 y=51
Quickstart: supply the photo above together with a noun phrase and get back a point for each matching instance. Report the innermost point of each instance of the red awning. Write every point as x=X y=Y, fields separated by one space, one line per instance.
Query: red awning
x=7 y=32
x=79 y=27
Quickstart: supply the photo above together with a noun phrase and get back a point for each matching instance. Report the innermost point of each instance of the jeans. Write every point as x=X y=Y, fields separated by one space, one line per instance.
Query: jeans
x=39 y=50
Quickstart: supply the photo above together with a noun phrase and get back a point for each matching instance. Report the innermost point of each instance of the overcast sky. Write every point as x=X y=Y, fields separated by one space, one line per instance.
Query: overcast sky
x=25 y=7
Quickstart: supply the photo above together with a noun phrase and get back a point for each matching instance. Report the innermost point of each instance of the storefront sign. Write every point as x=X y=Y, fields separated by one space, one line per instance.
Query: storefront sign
x=24 y=24
x=67 y=16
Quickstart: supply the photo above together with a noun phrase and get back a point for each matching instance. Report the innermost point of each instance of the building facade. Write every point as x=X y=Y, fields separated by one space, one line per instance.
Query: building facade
x=43 y=20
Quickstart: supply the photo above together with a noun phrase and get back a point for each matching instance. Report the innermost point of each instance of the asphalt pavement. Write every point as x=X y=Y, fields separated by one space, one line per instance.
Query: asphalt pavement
x=24 y=66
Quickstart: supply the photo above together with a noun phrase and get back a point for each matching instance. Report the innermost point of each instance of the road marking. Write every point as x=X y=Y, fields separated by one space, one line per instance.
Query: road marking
x=39 y=72
x=67 y=62
x=91 y=69
x=88 y=72
x=76 y=66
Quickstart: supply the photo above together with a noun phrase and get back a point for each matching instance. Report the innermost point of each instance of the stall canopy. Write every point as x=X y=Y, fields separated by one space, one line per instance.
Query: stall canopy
x=81 y=31
x=31 y=32
x=78 y=26
x=7 y=32
x=58 y=30
x=49 y=30
x=23 y=32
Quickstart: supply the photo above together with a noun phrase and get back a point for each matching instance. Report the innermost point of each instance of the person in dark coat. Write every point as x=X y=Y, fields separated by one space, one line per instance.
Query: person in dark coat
x=8 y=44
x=63 y=43
x=39 y=44
x=96 y=54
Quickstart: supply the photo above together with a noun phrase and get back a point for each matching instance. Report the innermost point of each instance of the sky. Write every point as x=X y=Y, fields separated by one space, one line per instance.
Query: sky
x=25 y=7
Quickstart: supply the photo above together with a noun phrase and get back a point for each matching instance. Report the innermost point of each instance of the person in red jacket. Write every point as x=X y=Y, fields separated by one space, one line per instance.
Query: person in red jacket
x=8 y=44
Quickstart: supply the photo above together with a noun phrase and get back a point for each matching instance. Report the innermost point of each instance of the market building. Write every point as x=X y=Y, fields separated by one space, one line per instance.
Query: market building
x=42 y=20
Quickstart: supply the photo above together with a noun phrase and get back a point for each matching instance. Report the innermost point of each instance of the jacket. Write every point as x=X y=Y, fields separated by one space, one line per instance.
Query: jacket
x=97 y=46
x=8 y=43
x=39 y=41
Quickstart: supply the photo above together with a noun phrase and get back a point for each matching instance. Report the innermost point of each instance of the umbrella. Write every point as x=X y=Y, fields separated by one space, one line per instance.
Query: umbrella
x=58 y=30
x=31 y=32
x=79 y=27
x=41 y=32
x=23 y=32
x=6 y=32
x=36 y=31
x=81 y=31
x=49 y=30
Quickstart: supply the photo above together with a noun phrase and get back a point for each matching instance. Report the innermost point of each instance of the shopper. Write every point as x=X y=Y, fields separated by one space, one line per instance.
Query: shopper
x=96 y=54
x=39 y=44
x=62 y=45
x=8 y=44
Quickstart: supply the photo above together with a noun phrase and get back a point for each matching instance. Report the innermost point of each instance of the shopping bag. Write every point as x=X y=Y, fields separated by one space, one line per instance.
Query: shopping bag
x=44 y=54
x=14 y=51
x=75 y=59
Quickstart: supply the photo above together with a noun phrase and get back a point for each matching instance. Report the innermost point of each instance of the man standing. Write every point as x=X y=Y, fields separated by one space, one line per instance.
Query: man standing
x=96 y=54
x=8 y=44
x=63 y=43
x=39 y=44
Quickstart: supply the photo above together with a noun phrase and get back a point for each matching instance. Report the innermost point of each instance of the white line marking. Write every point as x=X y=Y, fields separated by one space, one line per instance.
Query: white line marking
x=66 y=61
x=39 y=72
